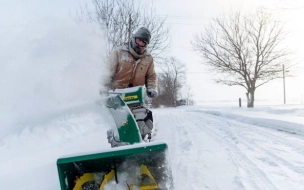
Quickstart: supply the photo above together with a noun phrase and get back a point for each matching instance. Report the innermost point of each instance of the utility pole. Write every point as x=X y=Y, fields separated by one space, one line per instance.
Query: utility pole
x=284 y=84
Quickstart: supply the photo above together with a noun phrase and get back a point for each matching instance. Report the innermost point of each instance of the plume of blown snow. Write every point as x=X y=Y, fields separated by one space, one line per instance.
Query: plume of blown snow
x=49 y=66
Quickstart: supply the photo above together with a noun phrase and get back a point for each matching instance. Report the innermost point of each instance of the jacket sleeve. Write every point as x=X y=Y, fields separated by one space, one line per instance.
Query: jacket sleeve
x=151 y=77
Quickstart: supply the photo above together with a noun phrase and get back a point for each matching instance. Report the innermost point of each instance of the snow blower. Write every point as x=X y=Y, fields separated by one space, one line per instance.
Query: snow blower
x=132 y=163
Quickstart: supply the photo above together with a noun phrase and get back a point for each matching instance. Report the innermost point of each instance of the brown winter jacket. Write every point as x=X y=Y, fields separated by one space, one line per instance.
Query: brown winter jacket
x=122 y=63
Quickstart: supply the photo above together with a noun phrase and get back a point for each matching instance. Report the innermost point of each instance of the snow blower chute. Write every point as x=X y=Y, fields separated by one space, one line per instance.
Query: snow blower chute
x=131 y=163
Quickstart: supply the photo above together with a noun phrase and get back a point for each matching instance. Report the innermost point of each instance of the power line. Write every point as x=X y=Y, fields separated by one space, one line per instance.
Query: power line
x=185 y=24
x=184 y=17
x=198 y=72
x=182 y=20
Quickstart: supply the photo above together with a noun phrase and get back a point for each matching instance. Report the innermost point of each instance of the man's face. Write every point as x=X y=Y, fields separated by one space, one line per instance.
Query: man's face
x=140 y=42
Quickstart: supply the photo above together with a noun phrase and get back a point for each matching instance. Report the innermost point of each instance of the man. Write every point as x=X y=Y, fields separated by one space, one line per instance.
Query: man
x=132 y=65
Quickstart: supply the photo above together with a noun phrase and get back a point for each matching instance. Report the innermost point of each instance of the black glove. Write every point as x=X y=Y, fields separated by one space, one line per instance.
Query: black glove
x=152 y=93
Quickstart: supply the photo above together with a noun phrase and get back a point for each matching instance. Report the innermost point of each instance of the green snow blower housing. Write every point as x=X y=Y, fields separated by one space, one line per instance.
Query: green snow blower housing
x=134 y=164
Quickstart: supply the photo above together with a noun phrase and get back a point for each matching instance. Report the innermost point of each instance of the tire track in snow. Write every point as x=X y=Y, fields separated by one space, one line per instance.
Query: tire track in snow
x=174 y=134
x=290 y=145
x=279 y=158
x=251 y=177
x=280 y=165
x=191 y=161
x=291 y=142
x=200 y=144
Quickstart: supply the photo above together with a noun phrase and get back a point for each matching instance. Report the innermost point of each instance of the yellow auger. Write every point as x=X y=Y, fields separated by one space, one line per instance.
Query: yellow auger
x=88 y=180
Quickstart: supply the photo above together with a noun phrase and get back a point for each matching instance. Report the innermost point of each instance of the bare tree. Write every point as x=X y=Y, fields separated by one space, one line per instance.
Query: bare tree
x=189 y=96
x=121 y=18
x=245 y=50
x=170 y=81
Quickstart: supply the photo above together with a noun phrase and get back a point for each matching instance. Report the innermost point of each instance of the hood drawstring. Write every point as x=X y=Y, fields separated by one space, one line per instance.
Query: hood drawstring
x=133 y=71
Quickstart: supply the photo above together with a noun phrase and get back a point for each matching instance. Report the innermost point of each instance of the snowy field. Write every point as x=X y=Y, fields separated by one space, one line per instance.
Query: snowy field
x=209 y=147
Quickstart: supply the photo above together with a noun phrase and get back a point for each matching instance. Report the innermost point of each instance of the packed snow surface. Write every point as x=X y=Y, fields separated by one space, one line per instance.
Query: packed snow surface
x=209 y=147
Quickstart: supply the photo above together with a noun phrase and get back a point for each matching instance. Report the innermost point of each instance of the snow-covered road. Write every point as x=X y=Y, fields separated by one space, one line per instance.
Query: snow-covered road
x=208 y=149
x=212 y=152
